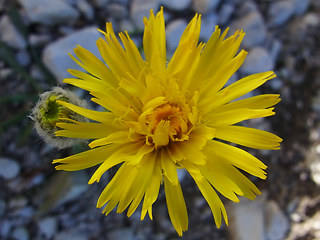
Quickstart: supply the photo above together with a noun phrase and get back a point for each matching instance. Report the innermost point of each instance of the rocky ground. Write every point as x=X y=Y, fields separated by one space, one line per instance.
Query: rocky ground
x=37 y=202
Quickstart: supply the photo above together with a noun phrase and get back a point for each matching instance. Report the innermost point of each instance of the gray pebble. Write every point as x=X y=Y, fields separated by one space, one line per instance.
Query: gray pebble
x=38 y=40
x=276 y=224
x=20 y=233
x=100 y=3
x=246 y=8
x=10 y=35
x=48 y=226
x=56 y=57
x=245 y=215
x=71 y=235
x=254 y=27
x=275 y=49
x=208 y=24
x=141 y=9
x=9 y=169
x=121 y=234
x=126 y=25
x=279 y=12
x=2 y=207
x=86 y=9
x=117 y=10
x=174 y=31
x=18 y=202
x=301 y=6
x=5 y=73
x=23 y=58
x=79 y=181
x=49 y=12
x=258 y=60
x=177 y=5
x=205 y=6
x=225 y=13
x=5 y=228
x=276 y=84
x=311 y=20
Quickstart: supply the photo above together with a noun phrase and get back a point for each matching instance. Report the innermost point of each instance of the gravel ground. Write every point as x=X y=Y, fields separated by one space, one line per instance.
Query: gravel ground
x=37 y=202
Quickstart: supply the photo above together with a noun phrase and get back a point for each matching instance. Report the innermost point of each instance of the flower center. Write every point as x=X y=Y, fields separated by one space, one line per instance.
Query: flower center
x=168 y=122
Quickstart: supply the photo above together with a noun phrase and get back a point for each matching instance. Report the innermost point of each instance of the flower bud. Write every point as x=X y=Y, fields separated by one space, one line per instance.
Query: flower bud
x=48 y=112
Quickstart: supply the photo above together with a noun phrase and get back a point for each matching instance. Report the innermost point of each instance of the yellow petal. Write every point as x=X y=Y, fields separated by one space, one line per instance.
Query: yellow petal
x=249 y=137
x=256 y=102
x=152 y=190
x=86 y=130
x=115 y=137
x=117 y=157
x=93 y=65
x=104 y=117
x=85 y=159
x=218 y=79
x=217 y=119
x=112 y=192
x=154 y=41
x=135 y=189
x=168 y=167
x=176 y=206
x=208 y=193
x=238 y=157
x=161 y=134
x=237 y=89
x=146 y=169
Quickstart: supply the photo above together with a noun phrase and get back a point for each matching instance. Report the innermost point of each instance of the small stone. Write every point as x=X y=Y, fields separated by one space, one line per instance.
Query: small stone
x=300 y=7
x=176 y=5
x=121 y=234
x=79 y=184
x=9 y=169
x=48 y=227
x=18 y=202
x=247 y=7
x=23 y=58
x=225 y=13
x=56 y=57
x=276 y=84
x=276 y=223
x=312 y=20
x=71 y=235
x=101 y=3
x=181 y=174
x=173 y=33
x=49 y=12
x=205 y=6
x=5 y=228
x=254 y=27
x=208 y=23
x=275 y=49
x=126 y=25
x=315 y=172
x=258 y=60
x=245 y=215
x=10 y=35
x=2 y=207
x=141 y=9
x=5 y=73
x=38 y=40
x=279 y=12
x=86 y=9
x=117 y=10
x=20 y=233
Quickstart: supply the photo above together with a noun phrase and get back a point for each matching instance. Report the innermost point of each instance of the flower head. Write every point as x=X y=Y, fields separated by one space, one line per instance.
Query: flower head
x=167 y=115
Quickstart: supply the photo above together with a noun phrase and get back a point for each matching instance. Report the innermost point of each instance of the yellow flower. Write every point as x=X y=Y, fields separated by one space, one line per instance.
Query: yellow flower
x=167 y=115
